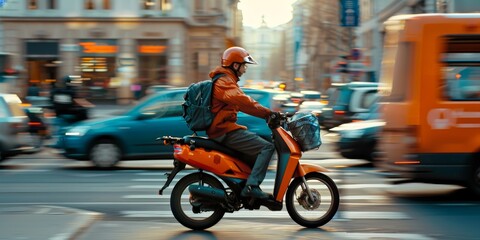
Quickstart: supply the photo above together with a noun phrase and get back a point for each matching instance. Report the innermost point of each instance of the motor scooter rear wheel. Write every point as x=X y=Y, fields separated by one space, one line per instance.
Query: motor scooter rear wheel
x=321 y=210
x=183 y=208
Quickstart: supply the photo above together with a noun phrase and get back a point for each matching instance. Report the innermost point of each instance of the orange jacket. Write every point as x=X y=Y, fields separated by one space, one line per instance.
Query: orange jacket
x=228 y=99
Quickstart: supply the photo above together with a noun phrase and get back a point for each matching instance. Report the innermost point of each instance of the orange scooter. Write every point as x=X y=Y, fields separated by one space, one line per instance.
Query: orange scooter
x=199 y=200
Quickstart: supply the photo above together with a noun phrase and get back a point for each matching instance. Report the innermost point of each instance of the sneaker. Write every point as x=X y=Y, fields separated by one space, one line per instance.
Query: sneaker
x=255 y=192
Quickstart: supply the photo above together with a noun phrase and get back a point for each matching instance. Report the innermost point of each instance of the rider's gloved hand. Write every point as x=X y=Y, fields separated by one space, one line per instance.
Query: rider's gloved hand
x=274 y=119
x=275 y=115
x=278 y=114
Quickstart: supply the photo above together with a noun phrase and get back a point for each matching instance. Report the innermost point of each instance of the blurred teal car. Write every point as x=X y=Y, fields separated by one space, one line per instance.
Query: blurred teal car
x=132 y=135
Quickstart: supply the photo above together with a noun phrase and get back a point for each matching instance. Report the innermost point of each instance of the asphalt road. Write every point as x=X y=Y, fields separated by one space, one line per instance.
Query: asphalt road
x=371 y=207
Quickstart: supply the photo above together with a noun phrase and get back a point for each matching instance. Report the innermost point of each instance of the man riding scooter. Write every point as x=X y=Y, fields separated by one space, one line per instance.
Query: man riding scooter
x=228 y=99
x=68 y=106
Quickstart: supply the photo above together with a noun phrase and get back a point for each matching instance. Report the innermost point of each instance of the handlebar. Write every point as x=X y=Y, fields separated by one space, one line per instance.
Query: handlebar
x=281 y=115
x=276 y=119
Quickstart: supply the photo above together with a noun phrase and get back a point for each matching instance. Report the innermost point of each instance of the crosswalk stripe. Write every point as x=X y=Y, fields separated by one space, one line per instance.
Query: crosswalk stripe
x=270 y=187
x=361 y=236
x=161 y=181
x=24 y=170
x=163 y=202
x=166 y=195
x=276 y=214
x=364 y=185
x=186 y=172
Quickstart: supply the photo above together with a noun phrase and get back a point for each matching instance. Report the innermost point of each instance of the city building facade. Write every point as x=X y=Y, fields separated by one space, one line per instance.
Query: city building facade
x=115 y=44
x=317 y=41
x=262 y=43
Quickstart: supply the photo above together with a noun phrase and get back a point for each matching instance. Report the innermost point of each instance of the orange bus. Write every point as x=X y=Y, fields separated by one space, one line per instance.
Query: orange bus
x=430 y=98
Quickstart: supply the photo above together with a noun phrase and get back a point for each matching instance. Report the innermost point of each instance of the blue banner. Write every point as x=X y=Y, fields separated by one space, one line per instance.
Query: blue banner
x=349 y=13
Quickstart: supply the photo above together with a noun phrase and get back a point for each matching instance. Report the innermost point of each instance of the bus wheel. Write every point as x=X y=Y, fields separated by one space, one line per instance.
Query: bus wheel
x=474 y=181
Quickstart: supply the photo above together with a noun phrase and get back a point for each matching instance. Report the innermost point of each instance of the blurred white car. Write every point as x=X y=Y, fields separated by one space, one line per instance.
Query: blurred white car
x=14 y=136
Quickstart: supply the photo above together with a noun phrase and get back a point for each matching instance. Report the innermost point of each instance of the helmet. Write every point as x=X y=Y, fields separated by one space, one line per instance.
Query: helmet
x=236 y=55
x=67 y=79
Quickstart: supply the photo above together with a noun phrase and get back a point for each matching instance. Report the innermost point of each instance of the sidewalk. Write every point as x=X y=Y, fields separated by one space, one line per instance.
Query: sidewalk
x=44 y=222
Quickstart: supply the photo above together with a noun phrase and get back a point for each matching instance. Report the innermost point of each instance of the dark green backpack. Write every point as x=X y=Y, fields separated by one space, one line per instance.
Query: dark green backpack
x=197 y=108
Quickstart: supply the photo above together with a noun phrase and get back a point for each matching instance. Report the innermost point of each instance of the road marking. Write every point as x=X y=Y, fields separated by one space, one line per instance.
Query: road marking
x=352 y=215
x=373 y=215
x=268 y=187
x=166 y=195
x=360 y=236
x=183 y=173
x=363 y=197
x=151 y=196
x=156 y=197
x=364 y=185
x=23 y=170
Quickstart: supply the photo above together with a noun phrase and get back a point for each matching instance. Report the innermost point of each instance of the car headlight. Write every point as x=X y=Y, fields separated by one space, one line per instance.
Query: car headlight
x=352 y=133
x=77 y=131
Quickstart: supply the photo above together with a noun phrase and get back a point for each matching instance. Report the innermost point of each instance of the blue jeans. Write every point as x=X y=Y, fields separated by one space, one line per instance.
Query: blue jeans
x=251 y=144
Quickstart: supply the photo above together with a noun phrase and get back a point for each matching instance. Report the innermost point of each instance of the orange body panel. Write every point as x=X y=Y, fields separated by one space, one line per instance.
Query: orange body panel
x=213 y=161
x=291 y=167
x=306 y=168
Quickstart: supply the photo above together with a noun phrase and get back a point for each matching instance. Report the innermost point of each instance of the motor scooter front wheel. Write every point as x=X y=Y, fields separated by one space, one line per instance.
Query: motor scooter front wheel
x=190 y=211
x=314 y=212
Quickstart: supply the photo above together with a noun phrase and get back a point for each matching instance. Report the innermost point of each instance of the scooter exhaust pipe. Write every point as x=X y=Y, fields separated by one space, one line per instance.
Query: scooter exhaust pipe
x=208 y=192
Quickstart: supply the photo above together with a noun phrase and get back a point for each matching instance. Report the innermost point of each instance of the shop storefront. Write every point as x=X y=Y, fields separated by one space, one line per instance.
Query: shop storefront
x=97 y=65
x=152 y=62
x=42 y=58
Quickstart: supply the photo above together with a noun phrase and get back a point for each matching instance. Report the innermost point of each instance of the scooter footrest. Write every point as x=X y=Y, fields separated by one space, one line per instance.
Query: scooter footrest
x=272 y=205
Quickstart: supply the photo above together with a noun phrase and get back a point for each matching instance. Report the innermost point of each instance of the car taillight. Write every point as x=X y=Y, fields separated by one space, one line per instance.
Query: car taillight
x=339 y=112
x=34 y=124
x=407 y=162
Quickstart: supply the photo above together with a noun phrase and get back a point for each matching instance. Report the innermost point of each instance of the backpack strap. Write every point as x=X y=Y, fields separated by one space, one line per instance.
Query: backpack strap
x=217 y=76
x=214 y=79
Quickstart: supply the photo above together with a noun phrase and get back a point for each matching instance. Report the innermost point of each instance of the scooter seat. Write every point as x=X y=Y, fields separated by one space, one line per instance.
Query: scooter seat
x=210 y=144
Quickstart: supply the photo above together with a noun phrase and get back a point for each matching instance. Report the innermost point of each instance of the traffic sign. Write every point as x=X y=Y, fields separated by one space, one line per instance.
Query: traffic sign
x=349 y=13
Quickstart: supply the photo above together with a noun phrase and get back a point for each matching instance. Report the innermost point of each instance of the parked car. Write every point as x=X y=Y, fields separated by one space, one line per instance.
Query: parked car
x=346 y=101
x=14 y=136
x=132 y=135
x=358 y=140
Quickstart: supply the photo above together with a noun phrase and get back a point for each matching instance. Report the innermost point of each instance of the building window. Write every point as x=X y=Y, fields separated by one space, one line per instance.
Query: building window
x=165 y=5
x=148 y=4
x=51 y=4
x=89 y=4
x=199 y=6
x=107 y=5
x=216 y=6
x=32 y=5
